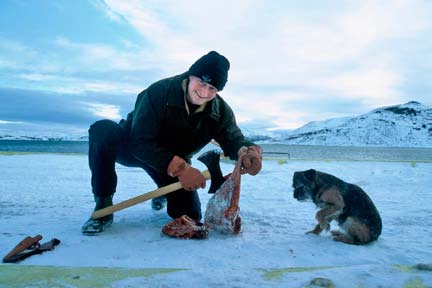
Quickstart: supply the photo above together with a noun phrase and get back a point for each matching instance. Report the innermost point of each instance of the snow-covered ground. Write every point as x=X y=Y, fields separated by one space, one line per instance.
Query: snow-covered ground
x=49 y=194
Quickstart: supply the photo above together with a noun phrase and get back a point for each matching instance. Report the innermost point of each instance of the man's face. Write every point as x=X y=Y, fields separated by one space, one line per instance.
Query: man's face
x=200 y=92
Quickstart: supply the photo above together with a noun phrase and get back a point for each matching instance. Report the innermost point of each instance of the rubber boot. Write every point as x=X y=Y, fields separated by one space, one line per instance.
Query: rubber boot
x=95 y=226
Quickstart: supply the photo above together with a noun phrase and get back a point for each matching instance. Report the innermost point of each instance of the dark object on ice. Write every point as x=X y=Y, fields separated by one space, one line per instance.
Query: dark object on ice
x=29 y=246
x=211 y=159
x=322 y=282
x=347 y=203
x=94 y=226
x=186 y=228
x=27 y=243
x=159 y=203
x=423 y=267
x=223 y=211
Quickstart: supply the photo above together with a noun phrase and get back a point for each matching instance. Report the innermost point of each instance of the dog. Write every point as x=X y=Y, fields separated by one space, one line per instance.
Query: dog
x=347 y=203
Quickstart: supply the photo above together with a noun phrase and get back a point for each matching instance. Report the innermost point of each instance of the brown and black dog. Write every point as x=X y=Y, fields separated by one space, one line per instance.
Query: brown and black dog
x=347 y=203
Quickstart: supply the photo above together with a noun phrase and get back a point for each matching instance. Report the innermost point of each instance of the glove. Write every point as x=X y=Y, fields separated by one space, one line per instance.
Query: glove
x=190 y=178
x=252 y=161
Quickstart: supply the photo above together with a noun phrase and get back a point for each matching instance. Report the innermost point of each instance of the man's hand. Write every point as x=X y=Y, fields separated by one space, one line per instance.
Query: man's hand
x=252 y=161
x=190 y=178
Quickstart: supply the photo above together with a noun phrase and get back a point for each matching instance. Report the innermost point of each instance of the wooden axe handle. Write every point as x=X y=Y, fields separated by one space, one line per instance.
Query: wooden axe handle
x=141 y=198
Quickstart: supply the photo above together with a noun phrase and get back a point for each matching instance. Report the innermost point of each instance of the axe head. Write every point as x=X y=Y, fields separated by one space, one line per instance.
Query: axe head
x=211 y=160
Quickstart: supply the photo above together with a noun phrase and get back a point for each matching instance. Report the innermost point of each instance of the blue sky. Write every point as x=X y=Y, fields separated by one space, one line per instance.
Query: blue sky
x=74 y=62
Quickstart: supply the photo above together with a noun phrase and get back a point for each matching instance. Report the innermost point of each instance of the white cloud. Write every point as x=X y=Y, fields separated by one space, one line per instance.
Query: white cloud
x=109 y=13
x=81 y=86
x=111 y=87
x=272 y=109
x=374 y=85
x=104 y=110
x=75 y=85
x=275 y=45
x=103 y=57
x=354 y=50
x=9 y=122
x=37 y=76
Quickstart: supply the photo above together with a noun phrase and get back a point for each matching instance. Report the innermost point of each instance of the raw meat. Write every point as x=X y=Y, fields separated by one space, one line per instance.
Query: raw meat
x=223 y=211
x=186 y=228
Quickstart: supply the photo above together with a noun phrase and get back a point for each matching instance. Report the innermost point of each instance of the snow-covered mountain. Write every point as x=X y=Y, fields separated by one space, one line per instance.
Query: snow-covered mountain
x=42 y=132
x=405 y=125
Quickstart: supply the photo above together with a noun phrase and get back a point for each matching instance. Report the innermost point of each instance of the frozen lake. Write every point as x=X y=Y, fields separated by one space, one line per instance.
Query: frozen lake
x=50 y=194
x=293 y=152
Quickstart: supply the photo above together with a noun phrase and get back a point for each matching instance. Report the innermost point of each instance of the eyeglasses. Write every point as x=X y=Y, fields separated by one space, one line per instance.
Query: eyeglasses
x=205 y=85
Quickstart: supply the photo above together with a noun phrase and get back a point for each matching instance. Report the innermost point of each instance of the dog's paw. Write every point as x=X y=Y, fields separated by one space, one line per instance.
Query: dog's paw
x=324 y=226
x=336 y=233
x=317 y=230
x=348 y=239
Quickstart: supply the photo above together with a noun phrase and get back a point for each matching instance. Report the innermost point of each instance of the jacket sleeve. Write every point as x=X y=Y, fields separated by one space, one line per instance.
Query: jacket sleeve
x=230 y=137
x=145 y=129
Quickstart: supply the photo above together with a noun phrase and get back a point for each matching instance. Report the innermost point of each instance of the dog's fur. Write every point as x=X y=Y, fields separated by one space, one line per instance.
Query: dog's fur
x=347 y=203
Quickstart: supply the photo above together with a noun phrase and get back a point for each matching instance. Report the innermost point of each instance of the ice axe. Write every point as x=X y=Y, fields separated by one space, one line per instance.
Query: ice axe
x=210 y=159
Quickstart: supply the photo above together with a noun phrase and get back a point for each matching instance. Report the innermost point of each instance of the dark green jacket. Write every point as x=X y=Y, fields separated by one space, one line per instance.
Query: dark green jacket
x=160 y=126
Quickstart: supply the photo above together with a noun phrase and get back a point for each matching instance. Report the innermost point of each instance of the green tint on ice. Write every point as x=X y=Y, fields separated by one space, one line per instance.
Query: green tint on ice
x=57 y=276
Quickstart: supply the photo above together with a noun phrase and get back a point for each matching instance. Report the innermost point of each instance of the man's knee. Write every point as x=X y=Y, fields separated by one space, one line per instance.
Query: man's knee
x=105 y=143
x=105 y=130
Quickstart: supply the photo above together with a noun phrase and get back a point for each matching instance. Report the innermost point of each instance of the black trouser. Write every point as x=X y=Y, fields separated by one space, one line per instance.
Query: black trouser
x=108 y=145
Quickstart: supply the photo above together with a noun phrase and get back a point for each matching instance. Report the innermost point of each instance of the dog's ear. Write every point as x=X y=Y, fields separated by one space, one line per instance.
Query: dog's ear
x=310 y=174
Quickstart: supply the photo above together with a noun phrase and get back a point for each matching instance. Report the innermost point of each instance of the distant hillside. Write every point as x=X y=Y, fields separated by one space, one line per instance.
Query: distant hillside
x=406 y=125
x=44 y=132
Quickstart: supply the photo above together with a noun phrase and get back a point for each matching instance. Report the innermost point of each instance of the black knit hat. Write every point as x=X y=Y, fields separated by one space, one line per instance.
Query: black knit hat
x=211 y=68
